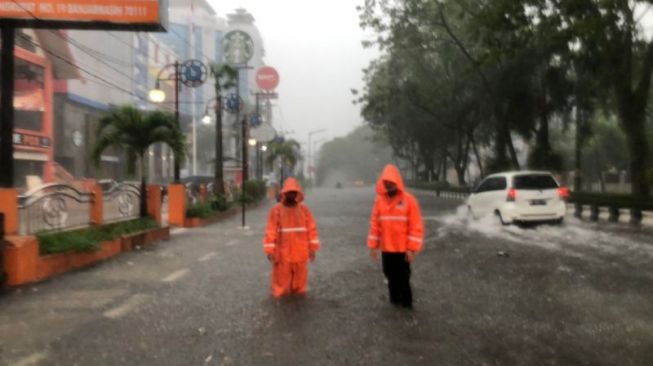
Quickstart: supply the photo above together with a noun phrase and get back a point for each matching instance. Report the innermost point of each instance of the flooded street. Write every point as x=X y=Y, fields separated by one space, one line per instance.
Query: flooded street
x=576 y=294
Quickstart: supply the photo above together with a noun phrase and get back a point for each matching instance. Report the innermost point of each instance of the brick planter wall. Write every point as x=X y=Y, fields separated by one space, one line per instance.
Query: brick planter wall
x=24 y=265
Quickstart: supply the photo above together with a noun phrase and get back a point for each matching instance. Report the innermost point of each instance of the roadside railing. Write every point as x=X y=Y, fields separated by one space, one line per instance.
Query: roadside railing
x=443 y=190
x=53 y=207
x=615 y=203
x=121 y=202
x=453 y=193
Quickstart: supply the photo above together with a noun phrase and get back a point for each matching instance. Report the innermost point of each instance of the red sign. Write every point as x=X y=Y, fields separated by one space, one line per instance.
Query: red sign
x=267 y=78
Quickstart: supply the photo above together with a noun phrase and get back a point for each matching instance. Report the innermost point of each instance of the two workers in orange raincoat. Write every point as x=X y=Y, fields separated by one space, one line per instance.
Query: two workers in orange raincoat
x=291 y=240
x=397 y=230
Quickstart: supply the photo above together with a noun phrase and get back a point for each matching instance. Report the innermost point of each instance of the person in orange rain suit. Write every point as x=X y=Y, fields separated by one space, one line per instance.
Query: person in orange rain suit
x=397 y=230
x=291 y=240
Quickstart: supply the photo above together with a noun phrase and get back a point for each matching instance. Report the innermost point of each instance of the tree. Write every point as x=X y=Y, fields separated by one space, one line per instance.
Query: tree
x=225 y=77
x=134 y=131
x=370 y=154
x=609 y=42
x=285 y=151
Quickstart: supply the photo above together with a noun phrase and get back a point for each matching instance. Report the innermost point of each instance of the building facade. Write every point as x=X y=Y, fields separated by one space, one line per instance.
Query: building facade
x=105 y=70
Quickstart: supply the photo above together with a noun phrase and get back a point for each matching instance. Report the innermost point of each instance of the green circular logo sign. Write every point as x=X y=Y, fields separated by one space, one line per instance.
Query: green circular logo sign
x=238 y=47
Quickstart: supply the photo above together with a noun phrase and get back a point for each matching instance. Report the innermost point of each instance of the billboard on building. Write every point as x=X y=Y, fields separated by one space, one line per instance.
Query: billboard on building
x=85 y=14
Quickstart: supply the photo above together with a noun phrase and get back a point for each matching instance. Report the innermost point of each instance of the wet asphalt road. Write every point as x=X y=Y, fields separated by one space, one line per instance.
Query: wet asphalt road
x=577 y=294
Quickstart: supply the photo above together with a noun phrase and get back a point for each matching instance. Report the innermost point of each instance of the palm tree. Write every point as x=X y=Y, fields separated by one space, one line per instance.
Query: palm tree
x=224 y=77
x=287 y=151
x=134 y=131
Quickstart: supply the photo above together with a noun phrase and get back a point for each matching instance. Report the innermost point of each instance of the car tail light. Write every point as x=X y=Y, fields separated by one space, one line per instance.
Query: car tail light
x=512 y=195
x=563 y=192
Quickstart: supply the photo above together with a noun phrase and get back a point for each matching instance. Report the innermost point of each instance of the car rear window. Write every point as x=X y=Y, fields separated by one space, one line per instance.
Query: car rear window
x=533 y=181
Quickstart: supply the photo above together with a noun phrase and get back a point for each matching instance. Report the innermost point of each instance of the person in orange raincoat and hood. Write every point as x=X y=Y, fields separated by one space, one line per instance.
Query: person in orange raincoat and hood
x=291 y=240
x=396 y=229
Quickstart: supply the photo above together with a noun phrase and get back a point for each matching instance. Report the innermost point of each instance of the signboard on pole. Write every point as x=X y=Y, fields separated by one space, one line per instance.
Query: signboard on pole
x=85 y=14
x=267 y=78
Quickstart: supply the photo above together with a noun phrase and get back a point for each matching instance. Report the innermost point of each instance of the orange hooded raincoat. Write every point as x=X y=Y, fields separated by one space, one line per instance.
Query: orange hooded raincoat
x=290 y=238
x=396 y=224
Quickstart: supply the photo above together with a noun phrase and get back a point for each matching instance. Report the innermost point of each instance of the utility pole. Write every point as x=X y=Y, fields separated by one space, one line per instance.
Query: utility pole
x=244 y=142
x=177 y=86
x=7 y=107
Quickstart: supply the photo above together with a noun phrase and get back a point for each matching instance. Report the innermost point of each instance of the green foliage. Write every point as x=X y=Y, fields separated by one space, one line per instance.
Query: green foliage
x=202 y=210
x=541 y=158
x=220 y=203
x=287 y=152
x=89 y=239
x=253 y=191
x=456 y=77
x=134 y=131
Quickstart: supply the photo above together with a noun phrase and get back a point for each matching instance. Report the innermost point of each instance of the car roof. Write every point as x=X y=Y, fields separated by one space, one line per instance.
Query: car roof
x=511 y=174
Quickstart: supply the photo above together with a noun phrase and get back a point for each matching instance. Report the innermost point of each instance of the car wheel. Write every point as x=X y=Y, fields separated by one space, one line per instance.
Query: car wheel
x=499 y=218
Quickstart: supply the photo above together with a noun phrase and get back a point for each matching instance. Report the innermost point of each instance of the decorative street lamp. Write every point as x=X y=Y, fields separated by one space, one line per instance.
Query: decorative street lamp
x=192 y=73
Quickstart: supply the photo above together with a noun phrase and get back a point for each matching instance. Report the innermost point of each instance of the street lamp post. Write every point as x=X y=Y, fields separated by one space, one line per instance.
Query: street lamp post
x=7 y=108
x=218 y=184
x=243 y=127
x=314 y=149
x=308 y=158
x=193 y=74
x=157 y=95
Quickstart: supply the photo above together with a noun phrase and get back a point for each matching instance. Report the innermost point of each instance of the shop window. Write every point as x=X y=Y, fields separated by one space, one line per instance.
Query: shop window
x=28 y=120
x=29 y=96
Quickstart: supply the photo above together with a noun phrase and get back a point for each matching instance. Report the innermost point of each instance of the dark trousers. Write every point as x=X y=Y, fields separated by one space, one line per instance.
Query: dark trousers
x=397 y=271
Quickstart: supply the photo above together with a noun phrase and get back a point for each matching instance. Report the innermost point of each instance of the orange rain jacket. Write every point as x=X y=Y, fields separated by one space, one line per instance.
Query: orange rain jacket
x=396 y=223
x=291 y=232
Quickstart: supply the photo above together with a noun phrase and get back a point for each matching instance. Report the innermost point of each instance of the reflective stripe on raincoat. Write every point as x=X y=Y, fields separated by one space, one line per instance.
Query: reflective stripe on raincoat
x=291 y=232
x=396 y=222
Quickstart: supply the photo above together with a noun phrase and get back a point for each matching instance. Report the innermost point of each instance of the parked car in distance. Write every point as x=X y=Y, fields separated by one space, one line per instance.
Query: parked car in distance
x=519 y=197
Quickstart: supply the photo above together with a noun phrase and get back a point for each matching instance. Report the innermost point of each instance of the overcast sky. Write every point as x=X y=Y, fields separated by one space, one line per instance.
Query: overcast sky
x=316 y=47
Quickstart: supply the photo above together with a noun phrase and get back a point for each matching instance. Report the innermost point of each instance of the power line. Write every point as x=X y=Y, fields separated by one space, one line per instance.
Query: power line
x=73 y=42
x=108 y=83
x=190 y=46
x=88 y=51
x=76 y=44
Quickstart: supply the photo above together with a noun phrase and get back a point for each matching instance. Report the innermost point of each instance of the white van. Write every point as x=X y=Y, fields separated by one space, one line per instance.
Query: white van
x=523 y=196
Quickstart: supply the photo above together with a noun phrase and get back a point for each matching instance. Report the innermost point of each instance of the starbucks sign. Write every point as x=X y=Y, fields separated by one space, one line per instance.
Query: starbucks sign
x=238 y=47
